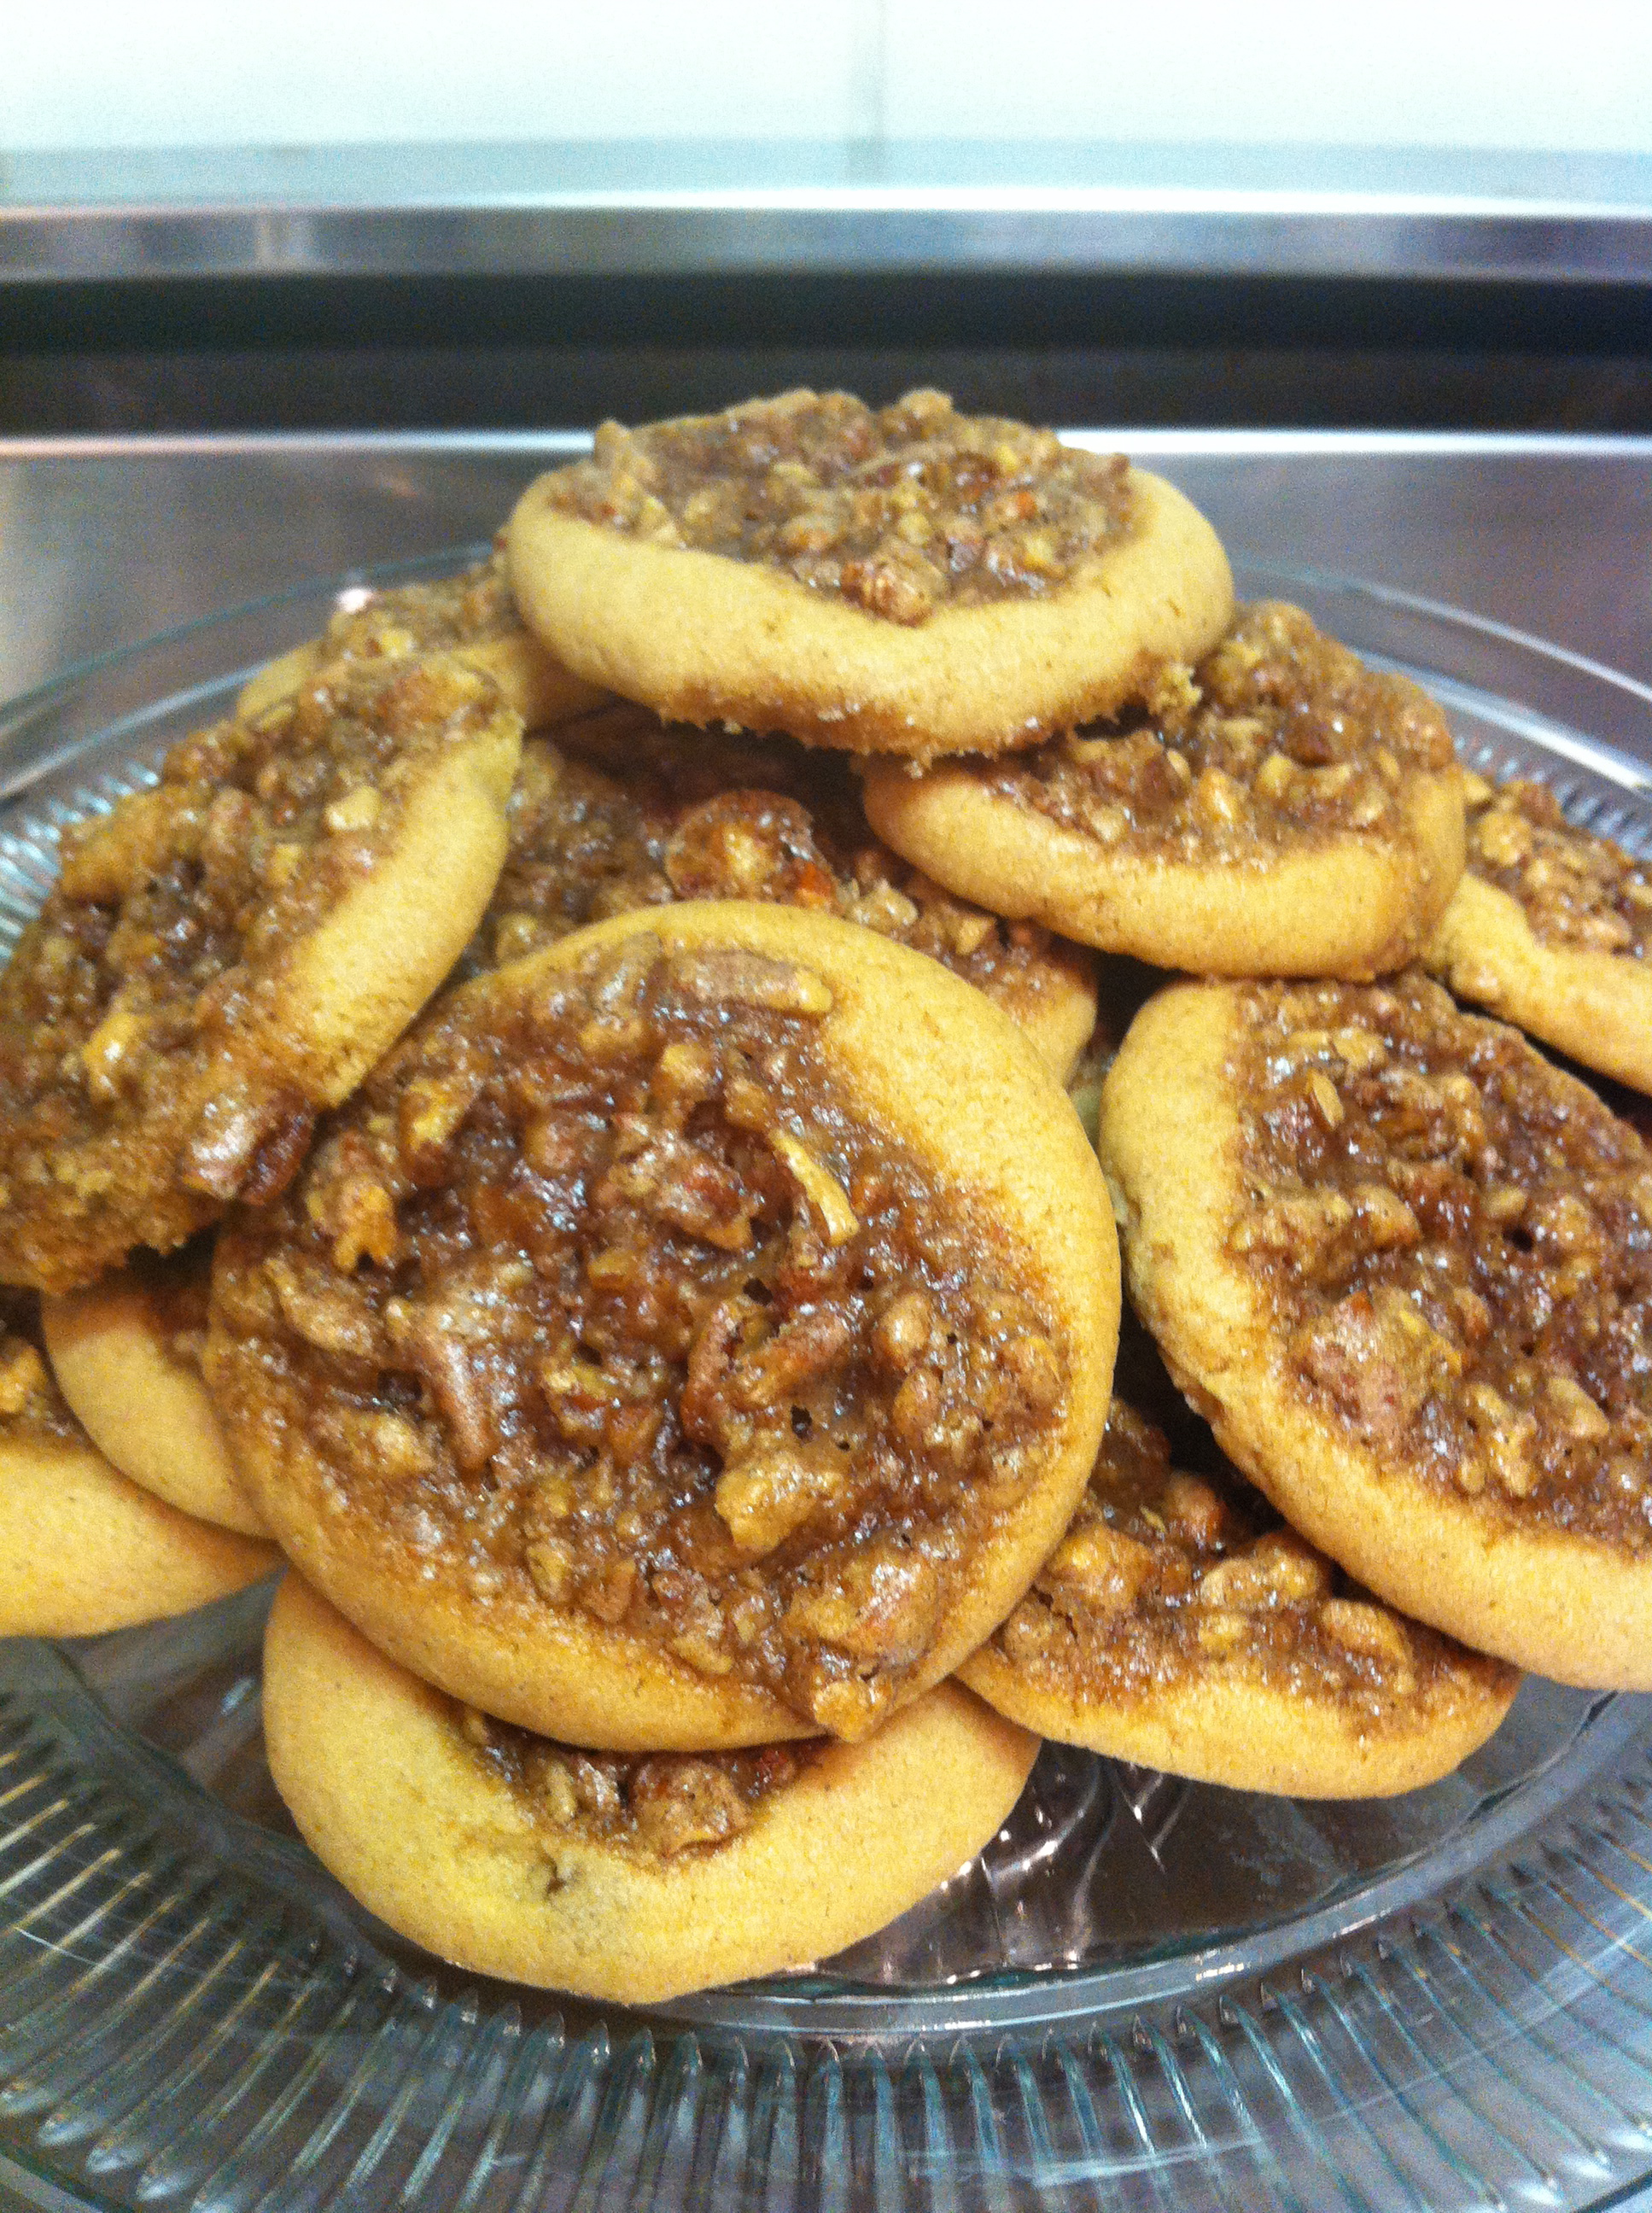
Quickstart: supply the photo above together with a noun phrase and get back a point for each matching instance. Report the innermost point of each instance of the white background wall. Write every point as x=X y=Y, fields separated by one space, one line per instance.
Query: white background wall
x=1577 y=75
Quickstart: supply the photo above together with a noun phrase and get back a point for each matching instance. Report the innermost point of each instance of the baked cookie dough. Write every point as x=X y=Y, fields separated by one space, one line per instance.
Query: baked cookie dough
x=1279 y=809
x=1180 y=1626
x=690 y=1335
x=1404 y=1265
x=233 y=948
x=626 y=813
x=82 y=1549
x=126 y=1354
x=630 y=1878
x=908 y=581
x=471 y=616
x=1551 y=928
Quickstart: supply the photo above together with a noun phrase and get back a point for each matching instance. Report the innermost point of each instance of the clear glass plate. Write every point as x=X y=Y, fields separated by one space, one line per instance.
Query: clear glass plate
x=1144 y=1993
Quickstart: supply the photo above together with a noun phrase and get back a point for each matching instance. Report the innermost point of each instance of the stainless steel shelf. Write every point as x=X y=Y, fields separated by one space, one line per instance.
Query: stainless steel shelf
x=647 y=208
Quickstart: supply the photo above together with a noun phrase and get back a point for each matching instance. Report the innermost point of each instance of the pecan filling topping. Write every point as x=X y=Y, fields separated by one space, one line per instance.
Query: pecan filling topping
x=1280 y=736
x=900 y=512
x=639 y=816
x=170 y=916
x=1457 y=1240
x=653 y=1805
x=1574 y=889
x=469 y=609
x=1165 y=1576
x=604 y=1299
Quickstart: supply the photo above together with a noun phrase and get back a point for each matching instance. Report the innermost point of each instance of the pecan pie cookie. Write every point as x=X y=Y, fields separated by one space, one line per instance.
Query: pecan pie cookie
x=126 y=1354
x=907 y=580
x=1403 y=1265
x=1180 y=1624
x=1551 y=927
x=233 y=948
x=623 y=812
x=690 y=1335
x=471 y=615
x=82 y=1549
x=1277 y=809
x=630 y=1877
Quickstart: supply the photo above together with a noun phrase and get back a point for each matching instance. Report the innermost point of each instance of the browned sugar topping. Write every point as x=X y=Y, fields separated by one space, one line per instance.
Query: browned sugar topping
x=1575 y=890
x=150 y=963
x=900 y=512
x=652 y=1805
x=1280 y=736
x=604 y=1299
x=1166 y=1578
x=1457 y=1241
x=682 y=814
x=470 y=609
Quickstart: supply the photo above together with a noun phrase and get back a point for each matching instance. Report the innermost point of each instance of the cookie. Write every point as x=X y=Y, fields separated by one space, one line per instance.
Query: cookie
x=82 y=1549
x=1278 y=809
x=1179 y=1624
x=628 y=1878
x=126 y=1354
x=625 y=812
x=1403 y=1265
x=690 y=1335
x=232 y=949
x=1551 y=927
x=471 y=615
x=910 y=581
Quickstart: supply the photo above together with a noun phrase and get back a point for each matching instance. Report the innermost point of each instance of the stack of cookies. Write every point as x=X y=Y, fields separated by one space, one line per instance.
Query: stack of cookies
x=557 y=1116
